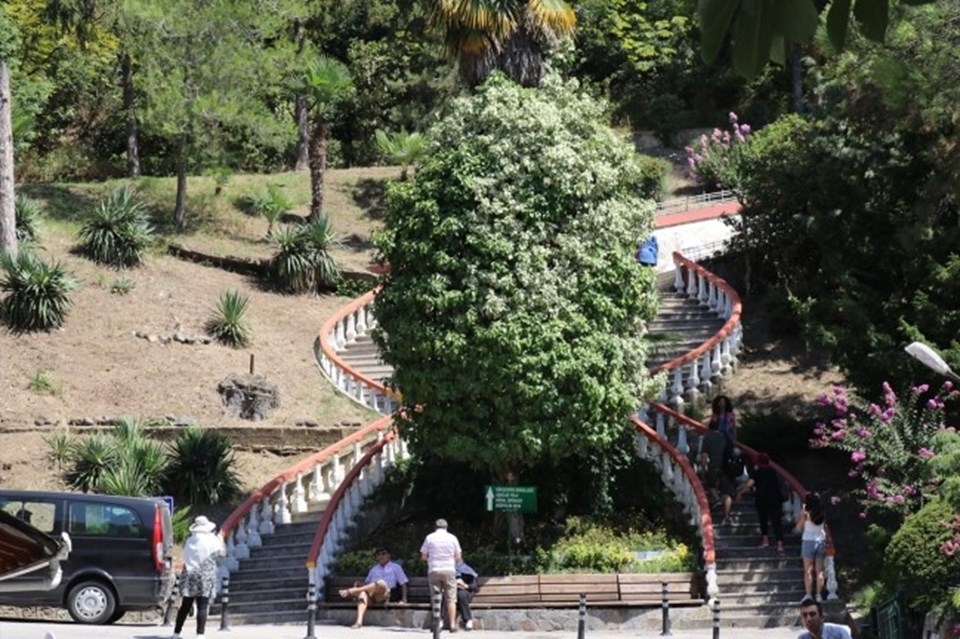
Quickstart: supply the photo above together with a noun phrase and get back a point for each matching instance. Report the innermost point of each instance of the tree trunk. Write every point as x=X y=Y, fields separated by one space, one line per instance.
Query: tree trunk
x=318 y=165
x=129 y=108
x=303 y=135
x=522 y=58
x=796 y=77
x=301 y=114
x=8 y=219
x=180 y=209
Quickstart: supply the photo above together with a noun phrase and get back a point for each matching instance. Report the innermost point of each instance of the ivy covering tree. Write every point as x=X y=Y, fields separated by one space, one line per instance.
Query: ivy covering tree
x=513 y=307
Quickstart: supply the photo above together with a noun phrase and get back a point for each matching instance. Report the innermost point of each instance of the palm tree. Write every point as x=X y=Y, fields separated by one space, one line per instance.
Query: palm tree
x=325 y=85
x=510 y=35
x=402 y=148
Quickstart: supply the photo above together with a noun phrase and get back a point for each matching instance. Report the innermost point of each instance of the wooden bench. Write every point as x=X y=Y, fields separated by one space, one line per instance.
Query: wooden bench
x=550 y=591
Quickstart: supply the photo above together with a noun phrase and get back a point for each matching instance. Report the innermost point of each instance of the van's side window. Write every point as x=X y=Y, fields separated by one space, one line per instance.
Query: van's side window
x=103 y=520
x=40 y=515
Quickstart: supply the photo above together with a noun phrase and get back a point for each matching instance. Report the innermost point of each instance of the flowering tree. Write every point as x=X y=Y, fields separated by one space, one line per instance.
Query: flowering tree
x=710 y=161
x=891 y=444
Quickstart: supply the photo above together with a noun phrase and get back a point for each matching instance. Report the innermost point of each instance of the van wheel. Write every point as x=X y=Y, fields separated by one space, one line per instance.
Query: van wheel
x=91 y=602
x=117 y=615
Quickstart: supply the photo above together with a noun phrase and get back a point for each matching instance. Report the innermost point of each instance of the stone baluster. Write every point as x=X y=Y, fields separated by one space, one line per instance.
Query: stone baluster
x=712 y=301
x=231 y=559
x=726 y=359
x=661 y=425
x=362 y=313
x=693 y=381
x=340 y=336
x=318 y=484
x=678 y=279
x=666 y=468
x=727 y=307
x=715 y=365
x=676 y=389
x=336 y=472
x=830 y=572
x=253 y=529
x=702 y=292
x=712 y=588
x=282 y=514
x=357 y=454
x=682 y=444
x=299 y=495
x=266 y=517
x=692 y=284
x=350 y=332
x=241 y=550
x=706 y=372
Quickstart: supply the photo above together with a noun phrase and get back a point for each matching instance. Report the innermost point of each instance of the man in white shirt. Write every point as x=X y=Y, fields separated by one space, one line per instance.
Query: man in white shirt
x=385 y=582
x=811 y=614
x=441 y=551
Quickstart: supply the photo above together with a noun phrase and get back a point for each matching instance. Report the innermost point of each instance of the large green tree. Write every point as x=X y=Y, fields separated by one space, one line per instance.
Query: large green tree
x=513 y=308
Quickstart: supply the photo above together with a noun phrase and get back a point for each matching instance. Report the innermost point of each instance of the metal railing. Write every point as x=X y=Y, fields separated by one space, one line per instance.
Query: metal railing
x=693 y=202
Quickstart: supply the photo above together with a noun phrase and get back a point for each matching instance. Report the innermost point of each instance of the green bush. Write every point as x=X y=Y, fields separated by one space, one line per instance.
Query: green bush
x=122 y=462
x=122 y=285
x=118 y=231
x=653 y=176
x=201 y=467
x=914 y=563
x=589 y=547
x=271 y=204
x=27 y=213
x=37 y=293
x=228 y=325
x=302 y=261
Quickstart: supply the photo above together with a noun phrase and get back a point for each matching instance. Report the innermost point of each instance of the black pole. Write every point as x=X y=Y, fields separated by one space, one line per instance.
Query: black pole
x=174 y=593
x=582 y=621
x=665 y=631
x=224 y=603
x=435 y=609
x=311 y=610
x=716 y=618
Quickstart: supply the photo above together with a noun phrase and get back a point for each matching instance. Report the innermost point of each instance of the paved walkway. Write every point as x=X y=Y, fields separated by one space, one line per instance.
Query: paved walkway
x=39 y=629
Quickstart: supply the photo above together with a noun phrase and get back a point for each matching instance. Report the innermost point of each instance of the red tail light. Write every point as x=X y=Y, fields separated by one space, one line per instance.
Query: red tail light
x=158 y=540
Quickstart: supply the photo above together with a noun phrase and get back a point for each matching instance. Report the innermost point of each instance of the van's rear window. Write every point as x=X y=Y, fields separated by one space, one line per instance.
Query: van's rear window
x=103 y=520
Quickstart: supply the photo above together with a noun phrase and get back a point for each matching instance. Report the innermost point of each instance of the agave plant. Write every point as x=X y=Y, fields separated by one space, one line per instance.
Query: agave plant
x=201 y=467
x=228 y=325
x=302 y=260
x=38 y=294
x=92 y=458
x=61 y=447
x=118 y=231
x=27 y=213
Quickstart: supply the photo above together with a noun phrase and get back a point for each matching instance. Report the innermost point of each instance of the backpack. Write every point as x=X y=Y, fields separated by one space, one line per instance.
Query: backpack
x=732 y=462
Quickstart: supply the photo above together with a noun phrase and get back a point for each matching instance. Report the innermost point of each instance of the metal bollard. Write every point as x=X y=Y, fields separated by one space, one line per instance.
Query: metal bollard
x=716 y=618
x=665 y=630
x=582 y=621
x=174 y=593
x=435 y=598
x=224 y=603
x=311 y=610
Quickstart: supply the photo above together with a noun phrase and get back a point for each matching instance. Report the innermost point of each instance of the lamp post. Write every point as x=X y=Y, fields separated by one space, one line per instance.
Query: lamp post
x=931 y=359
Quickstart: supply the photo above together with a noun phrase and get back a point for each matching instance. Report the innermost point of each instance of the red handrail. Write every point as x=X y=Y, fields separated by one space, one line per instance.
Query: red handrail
x=736 y=310
x=706 y=519
x=331 y=509
x=290 y=473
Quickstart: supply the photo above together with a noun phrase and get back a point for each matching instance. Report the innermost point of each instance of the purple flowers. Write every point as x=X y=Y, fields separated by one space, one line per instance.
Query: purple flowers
x=858 y=456
x=926 y=453
x=835 y=500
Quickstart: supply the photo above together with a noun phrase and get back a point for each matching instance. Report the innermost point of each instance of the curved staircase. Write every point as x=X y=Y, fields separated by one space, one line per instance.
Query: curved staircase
x=285 y=539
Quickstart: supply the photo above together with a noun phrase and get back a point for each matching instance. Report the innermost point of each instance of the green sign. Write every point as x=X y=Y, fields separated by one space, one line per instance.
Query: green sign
x=510 y=499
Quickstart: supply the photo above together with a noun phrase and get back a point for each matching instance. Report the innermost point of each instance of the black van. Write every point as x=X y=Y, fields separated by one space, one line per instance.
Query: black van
x=120 y=559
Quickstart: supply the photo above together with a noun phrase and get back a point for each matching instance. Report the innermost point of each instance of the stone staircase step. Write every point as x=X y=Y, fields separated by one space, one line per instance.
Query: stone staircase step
x=276 y=563
x=269 y=582
x=267 y=603
x=282 y=551
x=258 y=574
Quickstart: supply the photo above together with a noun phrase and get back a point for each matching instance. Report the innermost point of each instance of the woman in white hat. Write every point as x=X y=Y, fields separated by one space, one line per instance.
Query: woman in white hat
x=199 y=577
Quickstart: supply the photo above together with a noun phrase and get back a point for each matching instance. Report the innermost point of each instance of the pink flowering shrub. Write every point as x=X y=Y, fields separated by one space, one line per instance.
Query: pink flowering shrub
x=890 y=444
x=710 y=160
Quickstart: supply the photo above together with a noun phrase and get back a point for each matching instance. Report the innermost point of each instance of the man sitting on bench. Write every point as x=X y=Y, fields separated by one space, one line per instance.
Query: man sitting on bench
x=385 y=582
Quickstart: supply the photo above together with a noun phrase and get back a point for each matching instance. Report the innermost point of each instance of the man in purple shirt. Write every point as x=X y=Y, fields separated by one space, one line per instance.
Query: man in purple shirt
x=385 y=582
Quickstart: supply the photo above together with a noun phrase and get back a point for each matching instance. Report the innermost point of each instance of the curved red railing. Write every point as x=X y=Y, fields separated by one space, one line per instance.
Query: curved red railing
x=330 y=352
x=331 y=510
x=290 y=474
x=736 y=310
x=706 y=519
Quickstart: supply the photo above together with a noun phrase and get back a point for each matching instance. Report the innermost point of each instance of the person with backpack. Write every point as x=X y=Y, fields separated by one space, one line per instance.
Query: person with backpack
x=812 y=525
x=718 y=468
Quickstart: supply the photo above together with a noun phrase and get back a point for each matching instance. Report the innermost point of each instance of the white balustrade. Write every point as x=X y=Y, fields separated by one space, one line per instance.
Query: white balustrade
x=299 y=495
x=282 y=514
x=241 y=551
x=253 y=532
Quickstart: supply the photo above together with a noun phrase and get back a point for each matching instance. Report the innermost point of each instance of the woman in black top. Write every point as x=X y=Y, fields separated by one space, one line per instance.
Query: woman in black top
x=769 y=499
